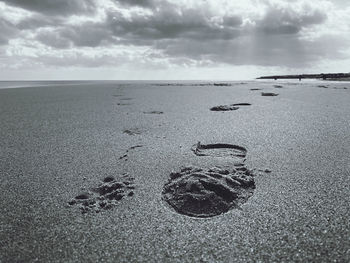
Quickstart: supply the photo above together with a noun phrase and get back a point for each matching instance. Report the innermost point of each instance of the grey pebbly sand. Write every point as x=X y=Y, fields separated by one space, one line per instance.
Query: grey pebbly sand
x=60 y=141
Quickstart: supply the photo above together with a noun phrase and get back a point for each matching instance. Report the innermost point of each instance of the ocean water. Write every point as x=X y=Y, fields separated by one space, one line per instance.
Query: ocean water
x=25 y=84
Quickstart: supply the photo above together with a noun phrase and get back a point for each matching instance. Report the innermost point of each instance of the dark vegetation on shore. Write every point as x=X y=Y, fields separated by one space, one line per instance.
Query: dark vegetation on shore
x=327 y=76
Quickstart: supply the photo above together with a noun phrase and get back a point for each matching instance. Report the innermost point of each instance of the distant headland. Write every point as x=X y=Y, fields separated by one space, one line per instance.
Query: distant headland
x=327 y=76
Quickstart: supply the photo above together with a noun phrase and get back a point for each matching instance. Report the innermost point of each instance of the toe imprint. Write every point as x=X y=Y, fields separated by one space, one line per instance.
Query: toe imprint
x=105 y=196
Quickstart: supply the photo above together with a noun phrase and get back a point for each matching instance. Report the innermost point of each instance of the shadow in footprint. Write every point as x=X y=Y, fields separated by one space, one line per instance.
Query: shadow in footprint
x=229 y=107
x=224 y=108
x=241 y=104
x=105 y=196
x=219 y=150
x=268 y=94
x=204 y=193
x=278 y=86
x=134 y=131
x=255 y=89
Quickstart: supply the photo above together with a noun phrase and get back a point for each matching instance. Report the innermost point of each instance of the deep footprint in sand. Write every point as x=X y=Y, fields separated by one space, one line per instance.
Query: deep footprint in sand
x=268 y=94
x=107 y=195
x=231 y=107
x=203 y=193
x=219 y=150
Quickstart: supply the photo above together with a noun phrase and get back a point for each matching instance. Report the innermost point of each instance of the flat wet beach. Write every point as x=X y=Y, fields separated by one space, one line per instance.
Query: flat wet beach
x=149 y=172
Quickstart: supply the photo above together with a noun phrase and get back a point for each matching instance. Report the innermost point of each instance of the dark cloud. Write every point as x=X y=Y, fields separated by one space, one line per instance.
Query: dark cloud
x=288 y=21
x=38 y=21
x=53 y=39
x=142 y=29
x=7 y=31
x=54 y=7
x=172 y=23
x=142 y=3
x=232 y=21
x=89 y=35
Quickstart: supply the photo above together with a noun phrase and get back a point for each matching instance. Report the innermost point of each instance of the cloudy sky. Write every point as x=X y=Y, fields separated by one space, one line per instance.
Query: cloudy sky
x=172 y=39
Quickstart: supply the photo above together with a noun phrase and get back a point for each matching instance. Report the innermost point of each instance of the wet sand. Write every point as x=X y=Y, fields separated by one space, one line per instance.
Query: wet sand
x=116 y=146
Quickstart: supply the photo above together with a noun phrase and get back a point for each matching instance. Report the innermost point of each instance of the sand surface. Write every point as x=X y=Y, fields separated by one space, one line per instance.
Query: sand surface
x=60 y=141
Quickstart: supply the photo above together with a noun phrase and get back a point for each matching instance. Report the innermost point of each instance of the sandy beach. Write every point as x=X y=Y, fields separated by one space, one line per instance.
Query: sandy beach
x=121 y=146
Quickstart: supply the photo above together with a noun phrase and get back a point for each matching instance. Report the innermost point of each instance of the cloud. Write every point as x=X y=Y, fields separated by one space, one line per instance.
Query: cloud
x=54 y=7
x=292 y=33
x=141 y=28
x=169 y=21
x=89 y=35
x=234 y=38
x=286 y=20
x=53 y=39
x=7 y=30
x=142 y=3
x=37 y=21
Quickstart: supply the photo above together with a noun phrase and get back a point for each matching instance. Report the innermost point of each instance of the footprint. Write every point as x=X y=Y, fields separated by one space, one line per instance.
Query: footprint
x=224 y=108
x=268 y=94
x=229 y=107
x=153 y=112
x=222 y=84
x=107 y=195
x=204 y=193
x=134 y=131
x=340 y=88
x=322 y=86
x=219 y=150
x=125 y=156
